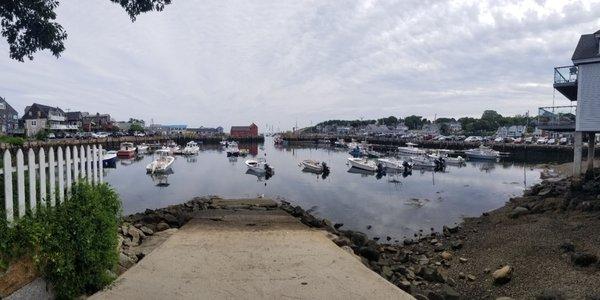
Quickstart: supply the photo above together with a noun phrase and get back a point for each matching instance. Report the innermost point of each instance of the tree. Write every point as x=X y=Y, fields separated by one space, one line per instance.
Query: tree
x=415 y=122
x=29 y=25
x=136 y=127
x=389 y=121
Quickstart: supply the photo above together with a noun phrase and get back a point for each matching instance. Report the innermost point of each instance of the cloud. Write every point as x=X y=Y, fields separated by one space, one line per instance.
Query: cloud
x=233 y=62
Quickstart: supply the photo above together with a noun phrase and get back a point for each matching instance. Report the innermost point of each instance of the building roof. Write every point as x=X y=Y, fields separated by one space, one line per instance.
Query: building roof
x=9 y=108
x=45 y=109
x=240 y=128
x=587 y=48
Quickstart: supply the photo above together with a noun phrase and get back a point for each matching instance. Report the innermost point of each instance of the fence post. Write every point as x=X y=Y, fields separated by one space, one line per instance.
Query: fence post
x=8 y=187
x=68 y=168
x=75 y=164
x=100 y=164
x=51 y=176
x=32 y=180
x=88 y=163
x=20 y=183
x=82 y=161
x=94 y=164
x=61 y=175
x=43 y=183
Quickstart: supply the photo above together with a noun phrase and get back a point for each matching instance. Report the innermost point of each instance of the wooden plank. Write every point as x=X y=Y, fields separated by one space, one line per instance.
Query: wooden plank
x=88 y=154
x=75 y=164
x=8 y=187
x=20 y=183
x=82 y=161
x=94 y=164
x=43 y=183
x=32 y=180
x=100 y=164
x=61 y=175
x=68 y=169
x=52 y=177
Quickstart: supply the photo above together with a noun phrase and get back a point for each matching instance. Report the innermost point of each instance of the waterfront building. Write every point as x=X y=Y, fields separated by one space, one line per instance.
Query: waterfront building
x=38 y=117
x=581 y=82
x=514 y=131
x=244 y=131
x=76 y=118
x=207 y=131
x=9 y=118
x=98 y=122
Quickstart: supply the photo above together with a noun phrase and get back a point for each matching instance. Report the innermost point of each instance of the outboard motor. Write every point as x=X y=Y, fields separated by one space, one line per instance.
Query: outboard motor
x=406 y=165
x=380 y=169
x=268 y=170
x=325 y=168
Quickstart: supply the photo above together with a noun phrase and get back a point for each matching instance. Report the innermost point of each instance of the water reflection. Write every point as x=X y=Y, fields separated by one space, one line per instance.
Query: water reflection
x=346 y=195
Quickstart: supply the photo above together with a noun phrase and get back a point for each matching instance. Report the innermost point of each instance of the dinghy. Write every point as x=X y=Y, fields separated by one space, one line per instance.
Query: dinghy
x=191 y=148
x=259 y=166
x=363 y=164
x=162 y=163
x=314 y=166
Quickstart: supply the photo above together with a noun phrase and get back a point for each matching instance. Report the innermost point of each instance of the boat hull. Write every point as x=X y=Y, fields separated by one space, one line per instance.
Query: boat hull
x=126 y=153
x=363 y=165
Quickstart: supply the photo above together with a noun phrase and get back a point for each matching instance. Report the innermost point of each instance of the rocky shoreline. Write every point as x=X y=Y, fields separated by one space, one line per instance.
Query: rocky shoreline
x=543 y=245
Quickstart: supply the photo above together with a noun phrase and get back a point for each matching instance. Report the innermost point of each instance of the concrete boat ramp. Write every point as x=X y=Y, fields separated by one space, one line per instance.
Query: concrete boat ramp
x=249 y=254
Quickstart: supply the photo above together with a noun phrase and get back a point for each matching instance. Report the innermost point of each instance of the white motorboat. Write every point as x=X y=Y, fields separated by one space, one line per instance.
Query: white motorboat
x=174 y=148
x=394 y=164
x=410 y=149
x=424 y=161
x=233 y=150
x=363 y=164
x=459 y=160
x=314 y=166
x=191 y=148
x=142 y=148
x=340 y=143
x=259 y=166
x=482 y=152
x=161 y=163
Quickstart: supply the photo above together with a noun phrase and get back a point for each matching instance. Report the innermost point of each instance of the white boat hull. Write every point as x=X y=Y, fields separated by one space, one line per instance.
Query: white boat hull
x=392 y=164
x=363 y=164
x=313 y=166
x=160 y=165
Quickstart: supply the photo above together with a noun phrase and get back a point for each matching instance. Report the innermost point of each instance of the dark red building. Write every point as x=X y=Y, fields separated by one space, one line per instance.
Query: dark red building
x=244 y=131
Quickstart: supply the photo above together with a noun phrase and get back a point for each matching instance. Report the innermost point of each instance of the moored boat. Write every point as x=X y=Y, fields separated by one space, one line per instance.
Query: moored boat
x=394 y=164
x=314 y=166
x=259 y=166
x=362 y=164
x=109 y=158
x=161 y=163
x=191 y=148
x=233 y=150
x=126 y=150
x=410 y=149
x=482 y=152
x=142 y=148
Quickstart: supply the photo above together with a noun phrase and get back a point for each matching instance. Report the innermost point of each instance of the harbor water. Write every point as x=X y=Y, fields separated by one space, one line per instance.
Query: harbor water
x=391 y=205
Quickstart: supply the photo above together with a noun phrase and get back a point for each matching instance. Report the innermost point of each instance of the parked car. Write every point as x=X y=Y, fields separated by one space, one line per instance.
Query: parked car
x=529 y=140
x=51 y=135
x=499 y=140
x=563 y=141
x=139 y=134
x=473 y=139
x=542 y=140
x=101 y=134
x=518 y=141
x=551 y=141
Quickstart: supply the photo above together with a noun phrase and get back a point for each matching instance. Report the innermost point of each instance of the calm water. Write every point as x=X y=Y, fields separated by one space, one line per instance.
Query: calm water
x=392 y=205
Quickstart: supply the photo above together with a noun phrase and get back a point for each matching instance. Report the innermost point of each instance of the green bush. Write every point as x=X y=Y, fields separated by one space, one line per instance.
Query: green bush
x=17 y=141
x=74 y=245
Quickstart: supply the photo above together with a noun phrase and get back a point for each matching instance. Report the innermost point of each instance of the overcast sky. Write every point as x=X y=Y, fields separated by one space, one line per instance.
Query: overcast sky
x=280 y=62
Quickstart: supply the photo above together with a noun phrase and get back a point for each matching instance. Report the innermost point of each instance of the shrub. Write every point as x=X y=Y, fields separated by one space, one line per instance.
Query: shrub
x=75 y=244
x=13 y=140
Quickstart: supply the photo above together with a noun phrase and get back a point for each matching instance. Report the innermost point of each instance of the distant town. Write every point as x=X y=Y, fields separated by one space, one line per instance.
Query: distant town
x=47 y=122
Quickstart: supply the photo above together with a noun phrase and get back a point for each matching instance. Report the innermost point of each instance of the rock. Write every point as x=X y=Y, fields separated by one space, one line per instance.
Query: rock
x=450 y=293
x=504 y=298
x=545 y=192
x=455 y=245
x=446 y=255
x=338 y=225
x=450 y=229
x=342 y=241
x=420 y=297
x=404 y=285
x=486 y=270
x=358 y=238
x=583 y=259
x=462 y=275
x=463 y=260
x=408 y=242
x=471 y=277
x=567 y=247
x=125 y=261
x=136 y=235
x=518 y=211
x=387 y=272
x=502 y=275
x=551 y=295
x=433 y=241
x=146 y=230
x=162 y=226
x=369 y=253
x=422 y=259
x=432 y=274
x=431 y=295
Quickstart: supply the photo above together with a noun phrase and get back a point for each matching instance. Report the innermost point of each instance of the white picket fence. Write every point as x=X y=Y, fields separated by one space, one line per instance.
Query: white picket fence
x=54 y=173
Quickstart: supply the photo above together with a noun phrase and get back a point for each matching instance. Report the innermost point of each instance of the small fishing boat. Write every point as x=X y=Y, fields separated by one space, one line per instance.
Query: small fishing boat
x=244 y=152
x=259 y=166
x=191 y=148
x=459 y=160
x=126 y=150
x=369 y=152
x=356 y=151
x=142 y=148
x=424 y=161
x=482 y=152
x=109 y=158
x=233 y=150
x=394 y=164
x=410 y=149
x=173 y=148
x=340 y=143
x=161 y=163
x=314 y=166
x=363 y=164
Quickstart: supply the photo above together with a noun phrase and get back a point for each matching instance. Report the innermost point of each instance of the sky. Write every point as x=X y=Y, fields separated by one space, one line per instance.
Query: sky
x=286 y=62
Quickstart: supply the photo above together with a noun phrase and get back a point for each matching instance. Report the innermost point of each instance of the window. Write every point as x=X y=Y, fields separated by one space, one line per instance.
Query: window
x=15 y=117
x=33 y=123
x=2 y=106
